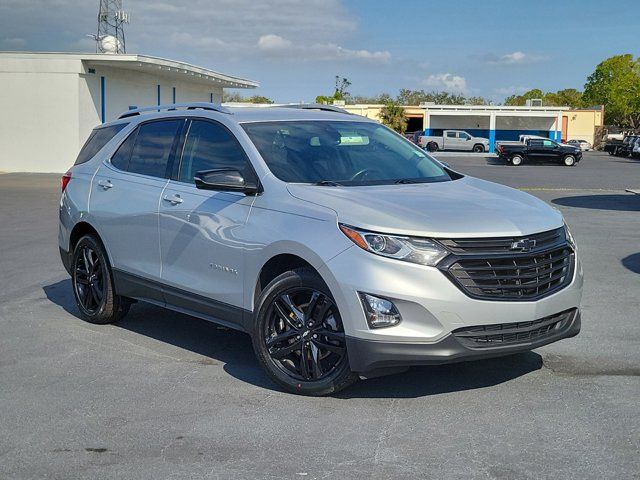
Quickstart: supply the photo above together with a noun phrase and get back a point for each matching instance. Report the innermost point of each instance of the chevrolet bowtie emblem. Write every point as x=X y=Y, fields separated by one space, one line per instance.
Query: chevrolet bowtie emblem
x=524 y=245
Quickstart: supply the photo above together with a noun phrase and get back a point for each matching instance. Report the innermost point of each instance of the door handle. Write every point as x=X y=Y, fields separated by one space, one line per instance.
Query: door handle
x=174 y=200
x=106 y=184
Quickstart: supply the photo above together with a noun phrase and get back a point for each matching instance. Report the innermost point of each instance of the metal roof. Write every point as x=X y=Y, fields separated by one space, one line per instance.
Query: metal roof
x=143 y=63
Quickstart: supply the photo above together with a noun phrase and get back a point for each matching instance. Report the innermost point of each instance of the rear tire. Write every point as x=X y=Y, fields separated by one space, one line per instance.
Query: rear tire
x=517 y=160
x=298 y=335
x=432 y=147
x=569 y=160
x=92 y=283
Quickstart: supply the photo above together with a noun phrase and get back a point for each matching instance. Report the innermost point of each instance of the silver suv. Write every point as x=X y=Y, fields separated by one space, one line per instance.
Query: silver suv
x=343 y=249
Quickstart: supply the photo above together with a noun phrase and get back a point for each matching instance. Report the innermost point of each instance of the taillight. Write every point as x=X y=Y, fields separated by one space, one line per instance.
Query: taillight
x=64 y=181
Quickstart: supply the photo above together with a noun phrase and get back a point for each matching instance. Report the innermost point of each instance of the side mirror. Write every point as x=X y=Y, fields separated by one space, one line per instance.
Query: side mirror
x=225 y=180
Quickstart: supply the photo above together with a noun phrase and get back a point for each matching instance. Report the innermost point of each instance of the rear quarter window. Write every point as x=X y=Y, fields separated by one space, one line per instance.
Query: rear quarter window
x=99 y=138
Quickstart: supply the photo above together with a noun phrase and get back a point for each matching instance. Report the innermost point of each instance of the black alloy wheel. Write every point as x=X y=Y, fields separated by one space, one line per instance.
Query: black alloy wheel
x=93 y=284
x=89 y=280
x=299 y=336
x=304 y=334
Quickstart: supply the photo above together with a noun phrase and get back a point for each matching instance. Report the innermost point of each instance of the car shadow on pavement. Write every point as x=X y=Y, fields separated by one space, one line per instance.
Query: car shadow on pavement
x=495 y=161
x=233 y=349
x=618 y=202
x=632 y=262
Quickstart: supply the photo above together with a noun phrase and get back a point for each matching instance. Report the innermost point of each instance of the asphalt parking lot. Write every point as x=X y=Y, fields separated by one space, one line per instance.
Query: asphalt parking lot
x=162 y=395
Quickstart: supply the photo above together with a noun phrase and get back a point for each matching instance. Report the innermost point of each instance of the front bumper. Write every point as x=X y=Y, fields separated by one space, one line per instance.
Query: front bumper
x=433 y=308
x=370 y=355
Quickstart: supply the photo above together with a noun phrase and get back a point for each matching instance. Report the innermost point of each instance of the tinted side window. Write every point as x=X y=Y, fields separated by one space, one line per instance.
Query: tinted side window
x=152 y=148
x=120 y=159
x=451 y=134
x=98 y=139
x=210 y=146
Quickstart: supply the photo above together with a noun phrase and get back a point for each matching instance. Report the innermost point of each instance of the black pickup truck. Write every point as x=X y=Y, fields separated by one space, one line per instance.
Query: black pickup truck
x=539 y=150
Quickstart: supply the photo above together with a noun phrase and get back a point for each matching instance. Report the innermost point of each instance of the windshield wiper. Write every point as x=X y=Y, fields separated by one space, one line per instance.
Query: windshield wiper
x=409 y=180
x=328 y=183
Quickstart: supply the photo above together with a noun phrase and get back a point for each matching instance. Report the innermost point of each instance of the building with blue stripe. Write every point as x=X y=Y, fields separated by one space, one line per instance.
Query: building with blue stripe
x=52 y=101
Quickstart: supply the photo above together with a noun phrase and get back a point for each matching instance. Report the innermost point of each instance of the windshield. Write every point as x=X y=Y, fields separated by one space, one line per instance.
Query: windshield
x=344 y=153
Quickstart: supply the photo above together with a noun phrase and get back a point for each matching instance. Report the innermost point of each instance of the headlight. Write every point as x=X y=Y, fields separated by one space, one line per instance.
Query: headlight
x=569 y=237
x=408 y=249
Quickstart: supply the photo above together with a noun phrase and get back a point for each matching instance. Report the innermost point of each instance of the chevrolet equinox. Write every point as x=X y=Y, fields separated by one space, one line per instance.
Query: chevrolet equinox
x=341 y=248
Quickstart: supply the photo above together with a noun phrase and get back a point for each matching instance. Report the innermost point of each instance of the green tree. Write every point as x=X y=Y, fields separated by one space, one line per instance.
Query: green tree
x=615 y=83
x=363 y=99
x=393 y=115
x=340 y=92
x=520 y=100
x=259 y=99
x=568 y=97
x=237 y=98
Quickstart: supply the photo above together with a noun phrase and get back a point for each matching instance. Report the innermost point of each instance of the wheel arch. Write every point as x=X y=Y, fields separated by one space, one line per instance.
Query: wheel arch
x=275 y=266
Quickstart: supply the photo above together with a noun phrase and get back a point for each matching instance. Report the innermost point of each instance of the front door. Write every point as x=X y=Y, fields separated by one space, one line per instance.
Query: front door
x=464 y=141
x=201 y=230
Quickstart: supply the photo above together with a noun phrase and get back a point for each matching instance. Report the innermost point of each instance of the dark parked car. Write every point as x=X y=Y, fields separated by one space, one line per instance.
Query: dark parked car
x=538 y=149
x=627 y=145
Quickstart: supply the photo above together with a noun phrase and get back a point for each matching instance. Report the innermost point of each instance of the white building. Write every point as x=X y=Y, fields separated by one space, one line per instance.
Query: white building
x=50 y=102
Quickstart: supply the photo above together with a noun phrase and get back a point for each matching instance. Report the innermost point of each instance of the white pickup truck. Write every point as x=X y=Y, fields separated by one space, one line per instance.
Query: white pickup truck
x=454 y=140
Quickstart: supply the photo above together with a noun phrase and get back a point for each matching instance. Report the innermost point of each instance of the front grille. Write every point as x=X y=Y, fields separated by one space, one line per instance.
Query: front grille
x=476 y=246
x=483 y=336
x=514 y=277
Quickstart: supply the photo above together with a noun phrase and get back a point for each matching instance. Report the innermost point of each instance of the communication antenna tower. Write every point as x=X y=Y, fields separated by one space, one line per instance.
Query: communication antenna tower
x=111 y=20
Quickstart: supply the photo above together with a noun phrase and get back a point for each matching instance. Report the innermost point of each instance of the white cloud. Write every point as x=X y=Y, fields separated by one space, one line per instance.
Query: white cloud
x=511 y=90
x=515 y=58
x=447 y=81
x=202 y=42
x=274 y=42
x=11 y=43
x=275 y=45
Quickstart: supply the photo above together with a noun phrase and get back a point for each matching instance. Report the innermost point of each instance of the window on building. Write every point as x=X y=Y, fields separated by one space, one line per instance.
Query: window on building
x=152 y=148
x=210 y=146
x=99 y=138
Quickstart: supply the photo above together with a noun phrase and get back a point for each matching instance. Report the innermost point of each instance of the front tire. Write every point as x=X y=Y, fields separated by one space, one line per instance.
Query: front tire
x=298 y=335
x=517 y=160
x=93 y=283
x=569 y=160
x=478 y=148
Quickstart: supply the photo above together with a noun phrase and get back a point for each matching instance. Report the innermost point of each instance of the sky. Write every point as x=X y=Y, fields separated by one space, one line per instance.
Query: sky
x=295 y=48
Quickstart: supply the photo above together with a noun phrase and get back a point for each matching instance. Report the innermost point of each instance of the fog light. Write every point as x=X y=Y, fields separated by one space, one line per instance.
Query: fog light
x=380 y=312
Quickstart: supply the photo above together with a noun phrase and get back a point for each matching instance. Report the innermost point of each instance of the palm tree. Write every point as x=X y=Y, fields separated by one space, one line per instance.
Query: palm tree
x=392 y=115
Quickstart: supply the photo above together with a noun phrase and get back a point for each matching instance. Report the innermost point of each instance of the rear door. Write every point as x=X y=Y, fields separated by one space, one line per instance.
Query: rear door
x=125 y=196
x=201 y=231
x=450 y=140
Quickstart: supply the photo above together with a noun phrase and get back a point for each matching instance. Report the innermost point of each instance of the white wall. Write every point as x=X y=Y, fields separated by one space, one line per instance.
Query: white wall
x=49 y=105
x=38 y=115
x=125 y=88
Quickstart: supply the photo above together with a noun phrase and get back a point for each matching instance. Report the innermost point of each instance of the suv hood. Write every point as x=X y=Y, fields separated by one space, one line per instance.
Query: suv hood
x=467 y=207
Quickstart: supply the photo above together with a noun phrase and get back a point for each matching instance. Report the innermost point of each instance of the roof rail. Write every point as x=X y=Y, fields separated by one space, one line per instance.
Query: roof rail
x=316 y=106
x=174 y=106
